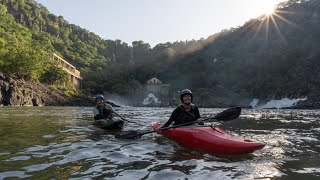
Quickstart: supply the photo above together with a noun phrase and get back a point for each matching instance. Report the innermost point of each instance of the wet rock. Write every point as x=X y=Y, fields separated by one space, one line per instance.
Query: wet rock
x=313 y=102
x=36 y=101
x=2 y=77
x=16 y=92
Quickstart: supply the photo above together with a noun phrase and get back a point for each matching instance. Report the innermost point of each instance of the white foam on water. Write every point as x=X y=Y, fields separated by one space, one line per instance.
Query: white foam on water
x=307 y=138
x=309 y=170
x=151 y=99
x=285 y=102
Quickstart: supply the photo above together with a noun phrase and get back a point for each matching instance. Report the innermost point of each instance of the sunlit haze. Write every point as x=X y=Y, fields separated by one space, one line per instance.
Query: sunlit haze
x=269 y=9
x=158 y=21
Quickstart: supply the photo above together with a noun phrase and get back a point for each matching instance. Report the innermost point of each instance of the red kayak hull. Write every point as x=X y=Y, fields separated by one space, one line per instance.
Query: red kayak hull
x=212 y=139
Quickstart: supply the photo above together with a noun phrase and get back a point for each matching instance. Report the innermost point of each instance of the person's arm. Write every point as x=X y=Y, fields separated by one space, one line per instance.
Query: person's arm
x=196 y=112
x=173 y=116
x=199 y=119
x=110 y=108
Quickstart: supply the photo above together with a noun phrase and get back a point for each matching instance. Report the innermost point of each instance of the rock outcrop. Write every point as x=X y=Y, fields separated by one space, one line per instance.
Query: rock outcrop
x=18 y=92
x=313 y=102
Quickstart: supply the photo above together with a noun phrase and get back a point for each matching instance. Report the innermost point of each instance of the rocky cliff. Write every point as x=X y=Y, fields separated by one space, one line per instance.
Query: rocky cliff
x=17 y=92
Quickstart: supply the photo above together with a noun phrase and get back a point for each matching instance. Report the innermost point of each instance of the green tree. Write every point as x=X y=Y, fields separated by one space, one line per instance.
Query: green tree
x=25 y=61
x=54 y=75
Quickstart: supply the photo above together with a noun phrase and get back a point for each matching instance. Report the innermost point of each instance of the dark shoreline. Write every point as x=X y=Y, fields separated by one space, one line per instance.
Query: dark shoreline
x=29 y=93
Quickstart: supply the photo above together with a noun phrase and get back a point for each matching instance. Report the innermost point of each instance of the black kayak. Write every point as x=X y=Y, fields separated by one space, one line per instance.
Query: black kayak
x=108 y=124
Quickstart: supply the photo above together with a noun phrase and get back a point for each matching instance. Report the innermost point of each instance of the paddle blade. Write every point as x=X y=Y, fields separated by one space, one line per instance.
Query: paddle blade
x=129 y=135
x=228 y=114
x=133 y=134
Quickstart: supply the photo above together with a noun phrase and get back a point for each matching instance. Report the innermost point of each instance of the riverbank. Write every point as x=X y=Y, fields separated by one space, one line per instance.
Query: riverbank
x=18 y=92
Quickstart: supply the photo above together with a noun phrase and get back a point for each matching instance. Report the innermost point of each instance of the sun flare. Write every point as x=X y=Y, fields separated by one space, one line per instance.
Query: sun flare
x=269 y=10
x=270 y=20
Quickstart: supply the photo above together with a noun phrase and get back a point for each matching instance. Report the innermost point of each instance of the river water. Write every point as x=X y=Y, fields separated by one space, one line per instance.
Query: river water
x=61 y=143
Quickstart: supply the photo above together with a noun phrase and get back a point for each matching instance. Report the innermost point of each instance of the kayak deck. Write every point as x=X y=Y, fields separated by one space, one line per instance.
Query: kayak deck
x=211 y=139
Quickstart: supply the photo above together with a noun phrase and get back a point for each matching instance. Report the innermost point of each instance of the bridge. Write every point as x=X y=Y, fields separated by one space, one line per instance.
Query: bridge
x=70 y=69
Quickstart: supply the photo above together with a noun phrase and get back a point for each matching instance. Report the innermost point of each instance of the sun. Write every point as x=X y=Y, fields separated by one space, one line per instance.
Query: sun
x=270 y=20
x=269 y=10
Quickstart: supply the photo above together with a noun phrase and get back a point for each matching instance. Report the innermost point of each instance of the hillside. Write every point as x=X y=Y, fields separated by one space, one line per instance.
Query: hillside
x=269 y=57
x=99 y=60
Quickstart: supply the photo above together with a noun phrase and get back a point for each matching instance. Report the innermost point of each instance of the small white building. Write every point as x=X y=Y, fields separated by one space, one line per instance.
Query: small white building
x=154 y=81
x=159 y=89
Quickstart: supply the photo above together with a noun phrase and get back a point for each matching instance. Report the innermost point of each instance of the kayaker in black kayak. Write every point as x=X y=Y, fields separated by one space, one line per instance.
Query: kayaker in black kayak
x=186 y=112
x=104 y=113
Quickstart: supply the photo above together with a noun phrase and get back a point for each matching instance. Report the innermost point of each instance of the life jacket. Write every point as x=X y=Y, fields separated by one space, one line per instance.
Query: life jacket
x=186 y=116
x=105 y=112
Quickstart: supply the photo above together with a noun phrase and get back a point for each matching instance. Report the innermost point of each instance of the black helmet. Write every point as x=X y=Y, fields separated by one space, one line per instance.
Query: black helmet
x=98 y=96
x=185 y=92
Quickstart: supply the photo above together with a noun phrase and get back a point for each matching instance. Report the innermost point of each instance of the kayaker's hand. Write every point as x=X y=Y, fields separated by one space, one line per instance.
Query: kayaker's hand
x=200 y=121
x=158 y=130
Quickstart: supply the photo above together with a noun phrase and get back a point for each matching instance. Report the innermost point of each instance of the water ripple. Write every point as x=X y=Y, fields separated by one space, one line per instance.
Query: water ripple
x=61 y=143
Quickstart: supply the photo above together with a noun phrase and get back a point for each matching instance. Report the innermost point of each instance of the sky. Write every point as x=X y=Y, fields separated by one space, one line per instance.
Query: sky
x=158 y=21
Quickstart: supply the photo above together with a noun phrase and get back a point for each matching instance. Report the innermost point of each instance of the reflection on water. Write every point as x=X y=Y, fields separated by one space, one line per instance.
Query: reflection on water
x=61 y=143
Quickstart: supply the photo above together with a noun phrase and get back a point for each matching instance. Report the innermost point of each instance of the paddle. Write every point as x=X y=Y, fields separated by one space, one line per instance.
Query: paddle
x=121 y=117
x=225 y=115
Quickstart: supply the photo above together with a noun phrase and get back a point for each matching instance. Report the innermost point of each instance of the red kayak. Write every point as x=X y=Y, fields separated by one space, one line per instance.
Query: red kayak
x=211 y=139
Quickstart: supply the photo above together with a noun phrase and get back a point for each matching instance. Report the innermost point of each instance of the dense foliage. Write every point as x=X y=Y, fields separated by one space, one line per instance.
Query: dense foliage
x=274 y=55
x=277 y=55
x=21 y=55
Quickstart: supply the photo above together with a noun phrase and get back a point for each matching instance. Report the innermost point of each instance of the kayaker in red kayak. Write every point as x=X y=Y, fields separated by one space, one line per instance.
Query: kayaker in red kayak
x=187 y=112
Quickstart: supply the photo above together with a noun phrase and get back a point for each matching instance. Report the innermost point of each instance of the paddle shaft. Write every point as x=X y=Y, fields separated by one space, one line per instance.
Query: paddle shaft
x=120 y=116
x=225 y=115
x=170 y=127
